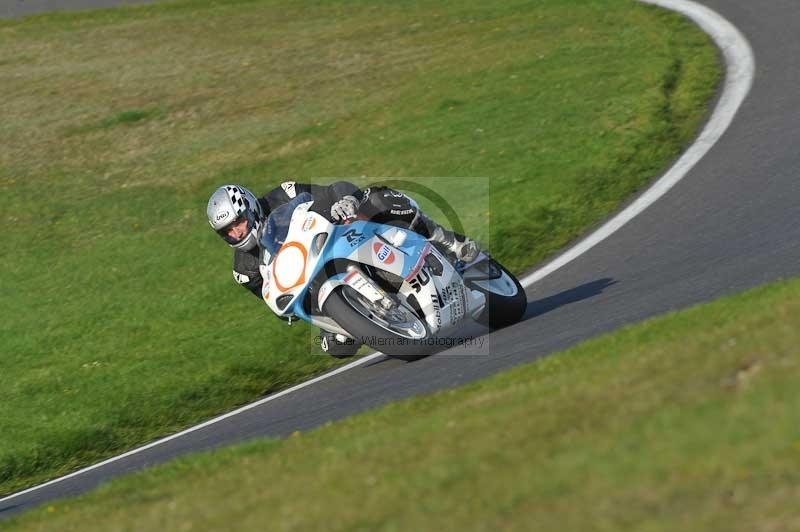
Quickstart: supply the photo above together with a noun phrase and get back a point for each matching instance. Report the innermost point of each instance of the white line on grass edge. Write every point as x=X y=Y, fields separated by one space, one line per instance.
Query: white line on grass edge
x=740 y=67
x=738 y=80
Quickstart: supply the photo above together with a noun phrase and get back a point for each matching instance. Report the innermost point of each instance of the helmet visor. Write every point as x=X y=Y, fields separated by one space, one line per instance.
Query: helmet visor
x=239 y=229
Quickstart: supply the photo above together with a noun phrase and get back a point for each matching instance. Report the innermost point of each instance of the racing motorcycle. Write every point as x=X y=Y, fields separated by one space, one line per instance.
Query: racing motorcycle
x=381 y=285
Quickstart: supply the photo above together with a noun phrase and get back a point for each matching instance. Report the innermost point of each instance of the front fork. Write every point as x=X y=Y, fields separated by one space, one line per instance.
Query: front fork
x=355 y=279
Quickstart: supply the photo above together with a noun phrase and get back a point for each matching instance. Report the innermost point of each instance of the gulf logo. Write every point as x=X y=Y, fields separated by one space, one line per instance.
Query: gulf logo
x=384 y=253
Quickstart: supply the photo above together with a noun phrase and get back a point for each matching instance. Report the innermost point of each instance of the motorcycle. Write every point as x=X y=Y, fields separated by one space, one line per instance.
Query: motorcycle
x=381 y=285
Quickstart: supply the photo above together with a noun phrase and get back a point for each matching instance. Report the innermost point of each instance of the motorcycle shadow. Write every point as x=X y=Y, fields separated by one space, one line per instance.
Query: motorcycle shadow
x=535 y=308
x=538 y=307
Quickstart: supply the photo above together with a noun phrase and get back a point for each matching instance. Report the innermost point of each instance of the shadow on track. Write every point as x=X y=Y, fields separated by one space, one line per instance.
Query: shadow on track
x=379 y=360
x=573 y=295
x=539 y=307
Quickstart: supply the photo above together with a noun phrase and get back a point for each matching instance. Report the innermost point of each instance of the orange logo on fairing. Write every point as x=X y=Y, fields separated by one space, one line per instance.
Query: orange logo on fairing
x=300 y=278
x=383 y=252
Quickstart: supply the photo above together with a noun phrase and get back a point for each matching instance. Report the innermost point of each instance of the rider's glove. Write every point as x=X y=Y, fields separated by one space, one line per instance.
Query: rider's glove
x=344 y=209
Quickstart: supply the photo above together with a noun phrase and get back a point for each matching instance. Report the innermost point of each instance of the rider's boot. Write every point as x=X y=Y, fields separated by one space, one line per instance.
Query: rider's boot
x=337 y=345
x=462 y=247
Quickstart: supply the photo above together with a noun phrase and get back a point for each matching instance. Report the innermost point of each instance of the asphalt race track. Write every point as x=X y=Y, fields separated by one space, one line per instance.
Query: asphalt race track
x=21 y=8
x=732 y=223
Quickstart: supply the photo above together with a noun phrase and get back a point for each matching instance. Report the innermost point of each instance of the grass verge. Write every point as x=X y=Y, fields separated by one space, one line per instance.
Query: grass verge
x=684 y=422
x=120 y=321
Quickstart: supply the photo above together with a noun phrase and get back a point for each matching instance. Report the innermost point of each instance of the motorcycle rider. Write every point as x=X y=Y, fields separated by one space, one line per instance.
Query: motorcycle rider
x=239 y=217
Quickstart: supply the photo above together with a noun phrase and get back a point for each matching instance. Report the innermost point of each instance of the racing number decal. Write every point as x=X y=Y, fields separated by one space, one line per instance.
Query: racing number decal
x=421 y=279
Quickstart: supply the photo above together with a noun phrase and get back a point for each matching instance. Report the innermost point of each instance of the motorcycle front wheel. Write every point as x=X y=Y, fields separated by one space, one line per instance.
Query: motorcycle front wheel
x=398 y=332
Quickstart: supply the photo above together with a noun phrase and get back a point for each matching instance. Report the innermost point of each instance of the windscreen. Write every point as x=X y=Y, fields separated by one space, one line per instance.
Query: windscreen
x=277 y=226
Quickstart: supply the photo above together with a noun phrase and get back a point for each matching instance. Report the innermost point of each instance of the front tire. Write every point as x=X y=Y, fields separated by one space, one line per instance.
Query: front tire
x=405 y=338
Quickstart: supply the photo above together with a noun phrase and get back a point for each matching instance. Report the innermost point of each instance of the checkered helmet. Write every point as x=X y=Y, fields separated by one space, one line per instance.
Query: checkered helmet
x=230 y=204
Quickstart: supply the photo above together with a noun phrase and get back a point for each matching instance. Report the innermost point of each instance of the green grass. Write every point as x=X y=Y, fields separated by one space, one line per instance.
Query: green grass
x=690 y=421
x=120 y=319
x=121 y=118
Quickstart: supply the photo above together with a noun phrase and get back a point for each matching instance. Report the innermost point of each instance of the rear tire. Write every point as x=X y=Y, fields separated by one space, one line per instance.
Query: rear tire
x=365 y=330
x=504 y=306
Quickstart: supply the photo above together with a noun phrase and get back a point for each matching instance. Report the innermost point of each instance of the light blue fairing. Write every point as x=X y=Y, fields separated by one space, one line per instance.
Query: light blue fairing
x=345 y=240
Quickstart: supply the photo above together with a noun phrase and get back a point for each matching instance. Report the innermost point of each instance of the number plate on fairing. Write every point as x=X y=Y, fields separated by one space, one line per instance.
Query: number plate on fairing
x=442 y=298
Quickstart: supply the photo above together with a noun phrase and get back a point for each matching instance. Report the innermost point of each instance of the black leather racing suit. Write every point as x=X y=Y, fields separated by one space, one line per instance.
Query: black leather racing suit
x=380 y=204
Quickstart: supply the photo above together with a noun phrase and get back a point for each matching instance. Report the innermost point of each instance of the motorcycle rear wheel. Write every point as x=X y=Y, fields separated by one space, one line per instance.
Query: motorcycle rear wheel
x=506 y=301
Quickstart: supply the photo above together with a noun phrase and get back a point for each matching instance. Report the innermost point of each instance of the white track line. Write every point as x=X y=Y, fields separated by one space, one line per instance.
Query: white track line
x=250 y=406
x=738 y=80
